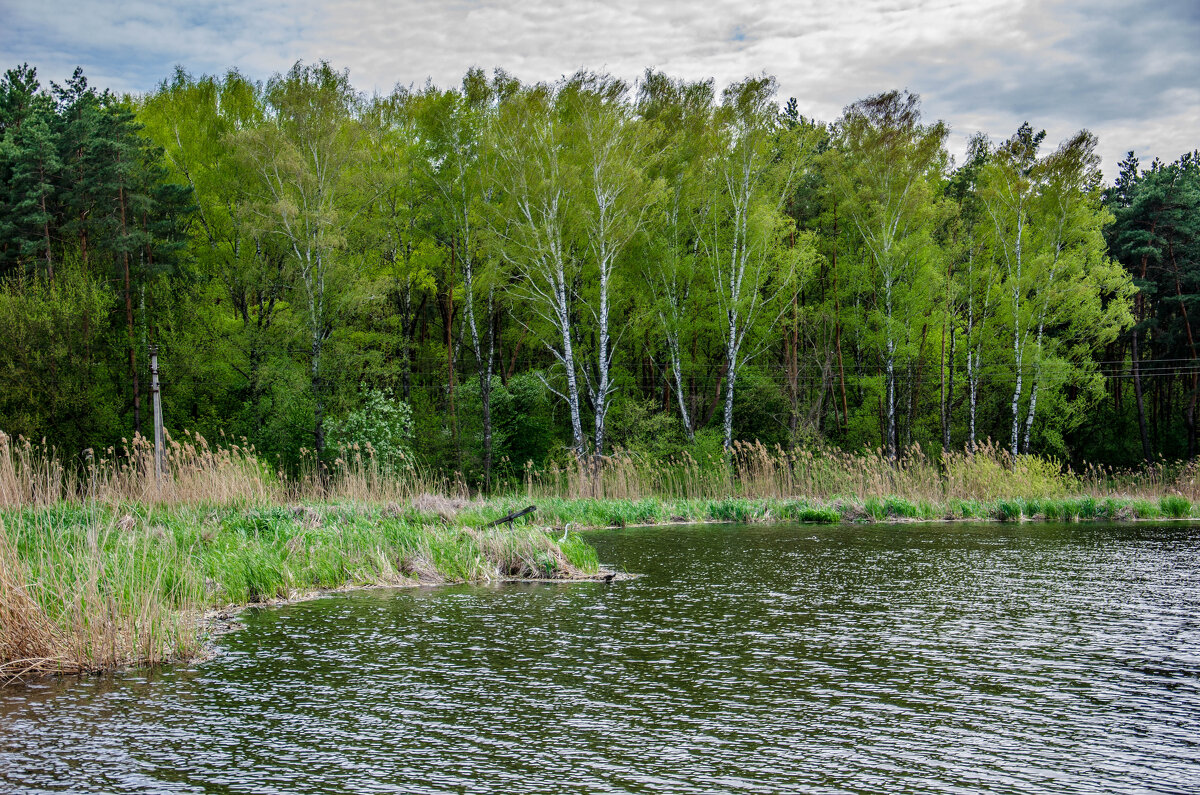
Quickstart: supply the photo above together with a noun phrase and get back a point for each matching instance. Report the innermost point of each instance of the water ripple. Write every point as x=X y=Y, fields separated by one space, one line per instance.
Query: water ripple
x=745 y=660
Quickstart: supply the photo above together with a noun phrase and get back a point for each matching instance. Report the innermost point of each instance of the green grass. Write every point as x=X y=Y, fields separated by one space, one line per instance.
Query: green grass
x=585 y=513
x=1009 y=510
x=899 y=507
x=125 y=585
x=1144 y=509
x=1175 y=507
x=118 y=582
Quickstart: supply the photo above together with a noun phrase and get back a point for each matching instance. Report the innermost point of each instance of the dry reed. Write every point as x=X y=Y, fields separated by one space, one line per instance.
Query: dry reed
x=753 y=470
x=197 y=472
x=87 y=597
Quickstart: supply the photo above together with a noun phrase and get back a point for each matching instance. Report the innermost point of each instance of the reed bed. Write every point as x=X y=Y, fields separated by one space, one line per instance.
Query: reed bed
x=104 y=562
x=89 y=588
x=79 y=594
x=196 y=472
x=754 y=471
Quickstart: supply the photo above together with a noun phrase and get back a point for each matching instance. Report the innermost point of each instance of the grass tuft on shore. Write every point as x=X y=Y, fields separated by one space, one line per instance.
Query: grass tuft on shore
x=86 y=590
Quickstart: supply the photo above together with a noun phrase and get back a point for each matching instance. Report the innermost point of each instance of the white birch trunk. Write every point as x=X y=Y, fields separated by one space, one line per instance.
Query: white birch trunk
x=890 y=364
x=1018 y=348
x=731 y=353
x=677 y=371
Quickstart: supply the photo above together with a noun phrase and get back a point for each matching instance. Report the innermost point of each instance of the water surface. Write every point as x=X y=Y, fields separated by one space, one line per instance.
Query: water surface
x=941 y=658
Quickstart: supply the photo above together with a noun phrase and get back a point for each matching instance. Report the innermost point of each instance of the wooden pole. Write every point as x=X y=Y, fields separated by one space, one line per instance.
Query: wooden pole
x=158 y=423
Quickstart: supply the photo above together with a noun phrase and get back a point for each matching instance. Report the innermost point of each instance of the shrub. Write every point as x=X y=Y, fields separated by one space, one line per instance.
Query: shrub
x=383 y=425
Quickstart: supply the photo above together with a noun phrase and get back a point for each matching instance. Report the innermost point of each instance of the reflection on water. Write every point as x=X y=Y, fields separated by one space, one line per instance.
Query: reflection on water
x=746 y=659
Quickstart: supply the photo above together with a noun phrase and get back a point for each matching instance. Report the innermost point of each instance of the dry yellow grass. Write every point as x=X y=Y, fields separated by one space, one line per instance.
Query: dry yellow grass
x=72 y=603
x=229 y=473
x=197 y=472
x=820 y=472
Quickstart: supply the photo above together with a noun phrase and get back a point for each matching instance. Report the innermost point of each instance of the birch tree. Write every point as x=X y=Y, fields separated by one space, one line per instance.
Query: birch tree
x=681 y=117
x=613 y=200
x=1046 y=223
x=531 y=226
x=304 y=158
x=455 y=125
x=882 y=170
x=974 y=283
x=755 y=162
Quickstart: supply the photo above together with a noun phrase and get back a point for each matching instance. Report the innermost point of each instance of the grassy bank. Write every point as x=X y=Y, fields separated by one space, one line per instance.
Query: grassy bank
x=92 y=587
x=586 y=513
x=103 y=564
x=88 y=588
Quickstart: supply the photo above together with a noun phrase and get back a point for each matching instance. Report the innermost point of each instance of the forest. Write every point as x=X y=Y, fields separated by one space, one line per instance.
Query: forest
x=501 y=275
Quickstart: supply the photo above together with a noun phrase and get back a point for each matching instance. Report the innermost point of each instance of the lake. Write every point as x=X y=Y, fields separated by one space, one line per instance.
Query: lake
x=933 y=658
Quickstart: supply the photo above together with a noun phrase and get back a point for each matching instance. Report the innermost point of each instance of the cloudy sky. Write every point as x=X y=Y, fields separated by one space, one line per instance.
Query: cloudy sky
x=1129 y=70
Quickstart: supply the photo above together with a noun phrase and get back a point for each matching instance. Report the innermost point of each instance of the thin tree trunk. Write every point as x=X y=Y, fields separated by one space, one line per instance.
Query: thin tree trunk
x=1017 y=350
x=568 y=360
x=485 y=393
x=49 y=247
x=731 y=353
x=318 y=405
x=1191 y=410
x=837 y=329
x=603 y=365
x=890 y=365
x=1141 y=409
x=677 y=372
x=133 y=374
x=448 y=330
x=1139 y=310
x=792 y=352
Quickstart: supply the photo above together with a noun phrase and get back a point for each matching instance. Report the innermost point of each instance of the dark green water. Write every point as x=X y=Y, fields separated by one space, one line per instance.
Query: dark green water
x=746 y=659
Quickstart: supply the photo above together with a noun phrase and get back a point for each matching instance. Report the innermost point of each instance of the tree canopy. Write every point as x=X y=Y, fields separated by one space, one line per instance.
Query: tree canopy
x=500 y=273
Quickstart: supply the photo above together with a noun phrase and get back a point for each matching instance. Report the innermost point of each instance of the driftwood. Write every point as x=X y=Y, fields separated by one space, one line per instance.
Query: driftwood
x=514 y=515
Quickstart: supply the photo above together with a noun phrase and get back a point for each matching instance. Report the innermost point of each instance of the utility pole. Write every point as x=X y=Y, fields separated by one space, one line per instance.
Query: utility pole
x=158 y=423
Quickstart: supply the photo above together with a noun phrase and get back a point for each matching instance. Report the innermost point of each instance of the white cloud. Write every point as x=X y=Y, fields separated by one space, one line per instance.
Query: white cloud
x=1125 y=70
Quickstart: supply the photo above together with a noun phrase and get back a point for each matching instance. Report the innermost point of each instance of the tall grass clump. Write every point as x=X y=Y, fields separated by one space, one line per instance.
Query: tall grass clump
x=195 y=472
x=820 y=472
x=80 y=596
x=1175 y=506
x=93 y=587
x=1009 y=510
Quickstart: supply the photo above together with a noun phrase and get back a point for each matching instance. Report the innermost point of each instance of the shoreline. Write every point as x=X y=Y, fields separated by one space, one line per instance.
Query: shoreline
x=585 y=513
x=86 y=589
x=91 y=588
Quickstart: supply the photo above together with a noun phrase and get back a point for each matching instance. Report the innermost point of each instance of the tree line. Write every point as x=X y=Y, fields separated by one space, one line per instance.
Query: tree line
x=504 y=273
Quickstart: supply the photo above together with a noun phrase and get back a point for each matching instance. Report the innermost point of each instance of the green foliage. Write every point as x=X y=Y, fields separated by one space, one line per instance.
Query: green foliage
x=1144 y=509
x=581 y=554
x=730 y=510
x=283 y=243
x=802 y=511
x=899 y=507
x=639 y=427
